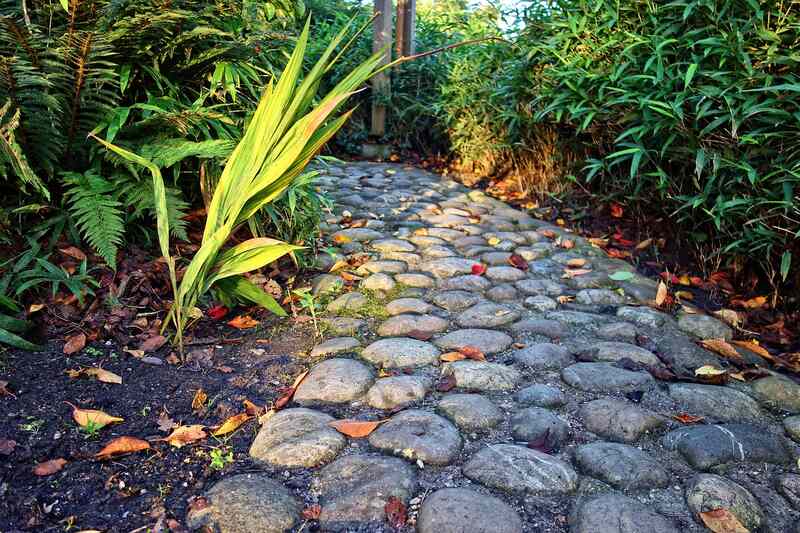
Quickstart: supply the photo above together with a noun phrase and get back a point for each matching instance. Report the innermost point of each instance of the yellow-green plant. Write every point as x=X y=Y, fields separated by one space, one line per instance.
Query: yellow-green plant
x=287 y=129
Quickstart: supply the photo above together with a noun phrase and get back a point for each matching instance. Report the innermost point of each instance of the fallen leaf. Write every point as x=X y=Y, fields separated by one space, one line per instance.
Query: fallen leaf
x=73 y=252
x=661 y=294
x=339 y=265
x=567 y=244
x=493 y=241
x=729 y=316
x=618 y=254
x=98 y=373
x=722 y=521
x=121 y=446
x=574 y=272
x=165 y=423
x=341 y=239
x=471 y=352
x=753 y=303
x=576 y=263
x=563 y=299
x=598 y=242
x=621 y=275
x=754 y=347
x=135 y=353
x=395 y=512
x=50 y=467
x=217 y=312
x=478 y=269
x=686 y=418
x=4 y=389
x=749 y=374
x=299 y=379
x=616 y=210
x=7 y=446
x=231 y=424
x=449 y=357
x=543 y=443
x=550 y=234
x=74 y=343
x=94 y=417
x=355 y=428
x=35 y=308
x=644 y=244
x=721 y=347
x=684 y=295
x=184 y=435
x=252 y=409
x=312 y=512
x=446 y=384
x=199 y=399
x=517 y=261
x=153 y=343
x=243 y=322
x=711 y=374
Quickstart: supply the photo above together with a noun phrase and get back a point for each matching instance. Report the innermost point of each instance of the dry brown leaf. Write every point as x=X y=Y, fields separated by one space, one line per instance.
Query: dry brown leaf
x=94 y=417
x=644 y=244
x=686 y=418
x=138 y=354
x=312 y=512
x=567 y=244
x=576 y=263
x=563 y=299
x=473 y=353
x=184 y=435
x=712 y=375
x=299 y=379
x=243 y=322
x=722 y=521
x=73 y=252
x=121 y=446
x=729 y=316
x=550 y=234
x=252 y=409
x=721 y=347
x=341 y=239
x=395 y=511
x=103 y=375
x=199 y=399
x=74 y=343
x=754 y=347
x=518 y=262
x=355 y=428
x=165 y=423
x=153 y=343
x=753 y=303
x=231 y=424
x=661 y=294
x=338 y=265
x=571 y=273
x=266 y=416
x=35 y=308
x=50 y=467
x=449 y=357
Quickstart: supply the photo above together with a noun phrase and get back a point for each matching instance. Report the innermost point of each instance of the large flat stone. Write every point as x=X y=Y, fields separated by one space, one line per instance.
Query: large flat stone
x=417 y=434
x=621 y=466
x=618 y=420
x=615 y=513
x=400 y=353
x=544 y=356
x=486 y=340
x=471 y=412
x=334 y=381
x=397 y=391
x=466 y=511
x=400 y=325
x=487 y=315
x=708 y=492
x=513 y=468
x=297 y=438
x=605 y=377
x=482 y=376
x=611 y=351
x=707 y=446
x=717 y=402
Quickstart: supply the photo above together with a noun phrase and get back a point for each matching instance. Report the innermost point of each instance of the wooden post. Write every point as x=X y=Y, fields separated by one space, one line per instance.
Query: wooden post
x=406 y=24
x=381 y=84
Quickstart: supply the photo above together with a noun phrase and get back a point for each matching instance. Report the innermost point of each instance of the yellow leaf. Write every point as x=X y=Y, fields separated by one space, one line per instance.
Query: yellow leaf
x=661 y=294
x=449 y=357
x=34 y=308
x=243 y=322
x=231 y=424
x=493 y=241
x=722 y=521
x=708 y=370
x=199 y=400
x=86 y=417
x=754 y=347
x=644 y=244
x=355 y=428
x=338 y=265
x=103 y=375
x=721 y=347
x=684 y=295
x=341 y=239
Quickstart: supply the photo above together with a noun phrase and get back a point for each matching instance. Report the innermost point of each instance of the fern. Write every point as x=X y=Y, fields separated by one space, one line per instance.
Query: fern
x=11 y=154
x=138 y=194
x=92 y=201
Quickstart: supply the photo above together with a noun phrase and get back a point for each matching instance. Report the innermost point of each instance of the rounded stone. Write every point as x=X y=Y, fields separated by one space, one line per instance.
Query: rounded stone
x=486 y=340
x=539 y=326
x=334 y=346
x=541 y=396
x=540 y=303
x=618 y=420
x=420 y=281
x=618 y=331
x=354 y=490
x=615 y=513
x=356 y=234
x=779 y=393
x=244 y=503
x=792 y=426
x=326 y=284
x=351 y=301
x=540 y=287
x=544 y=356
x=455 y=301
x=378 y=282
x=704 y=327
x=502 y=293
x=465 y=283
x=788 y=485
x=612 y=351
x=295 y=438
x=605 y=377
x=487 y=315
x=482 y=376
x=517 y=469
x=447 y=267
x=397 y=391
x=392 y=245
x=707 y=492
x=400 y=353
x=408 y=305
x=536 y=424
x=505 y=274
x=470 y=412
x=400 y=325
x=382 y=267
x=415 y=434
x=599 y=297
x=342 y=325
x=643 y=316
x=496 y=258
x=466 y=511
x=720 y=402
x=621 y=466
x=334 y=381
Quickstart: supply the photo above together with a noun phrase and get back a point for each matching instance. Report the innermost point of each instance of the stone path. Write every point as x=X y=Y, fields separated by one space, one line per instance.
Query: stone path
x=562 y=428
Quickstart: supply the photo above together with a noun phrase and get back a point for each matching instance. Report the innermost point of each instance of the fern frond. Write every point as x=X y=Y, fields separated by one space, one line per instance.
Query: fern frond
x=138 y=194
x=165 y=153
x=12 y=154
x=92 y=201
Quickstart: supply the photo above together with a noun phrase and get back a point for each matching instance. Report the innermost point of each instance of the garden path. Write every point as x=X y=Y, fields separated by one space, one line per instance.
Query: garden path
x=566 y=425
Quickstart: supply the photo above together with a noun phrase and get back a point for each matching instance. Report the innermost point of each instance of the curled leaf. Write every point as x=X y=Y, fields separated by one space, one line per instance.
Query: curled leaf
x=686 y=418
x=199 y=400
x=471 y=352
x=312 y=512
x=355 y=428
x=517 y=261
x=721 y=347
x=122 y=446
x=231 y=424
x=184 y=435
x=395 y=512
x=661 y=294
x=93 y=417
x=243 y=322
x=449 y=357
x=74 y=343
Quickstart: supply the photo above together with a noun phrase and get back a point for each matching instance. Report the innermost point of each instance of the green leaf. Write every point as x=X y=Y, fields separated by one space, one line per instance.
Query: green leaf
x=13 y=324
x=6 y=337
x=786 y=263
x=65 y=5
x=689 y=75
x=621 y=275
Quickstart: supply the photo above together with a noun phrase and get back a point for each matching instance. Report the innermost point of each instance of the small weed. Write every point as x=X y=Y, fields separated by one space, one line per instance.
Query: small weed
x=34 y=425
x=145 y=411
x=219 y=458
x=309 y=302
x=91 y=429
x=94 y=352
x=163 y=490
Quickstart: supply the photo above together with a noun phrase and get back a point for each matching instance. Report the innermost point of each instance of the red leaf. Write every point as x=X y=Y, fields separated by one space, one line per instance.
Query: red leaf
x=75 y=343
x=616 y=210
x=478 y=269
x=517 y=261
x=470 y=352
x=395 y=512
x=217 y=312
x=312 y=512
x=420 y=335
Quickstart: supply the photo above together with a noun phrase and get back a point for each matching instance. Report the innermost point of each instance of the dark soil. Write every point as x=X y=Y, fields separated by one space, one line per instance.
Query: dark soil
x=149 y=489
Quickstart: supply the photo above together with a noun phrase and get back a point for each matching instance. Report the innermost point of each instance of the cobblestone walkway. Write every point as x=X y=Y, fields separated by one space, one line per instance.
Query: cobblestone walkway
x=564 y=426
